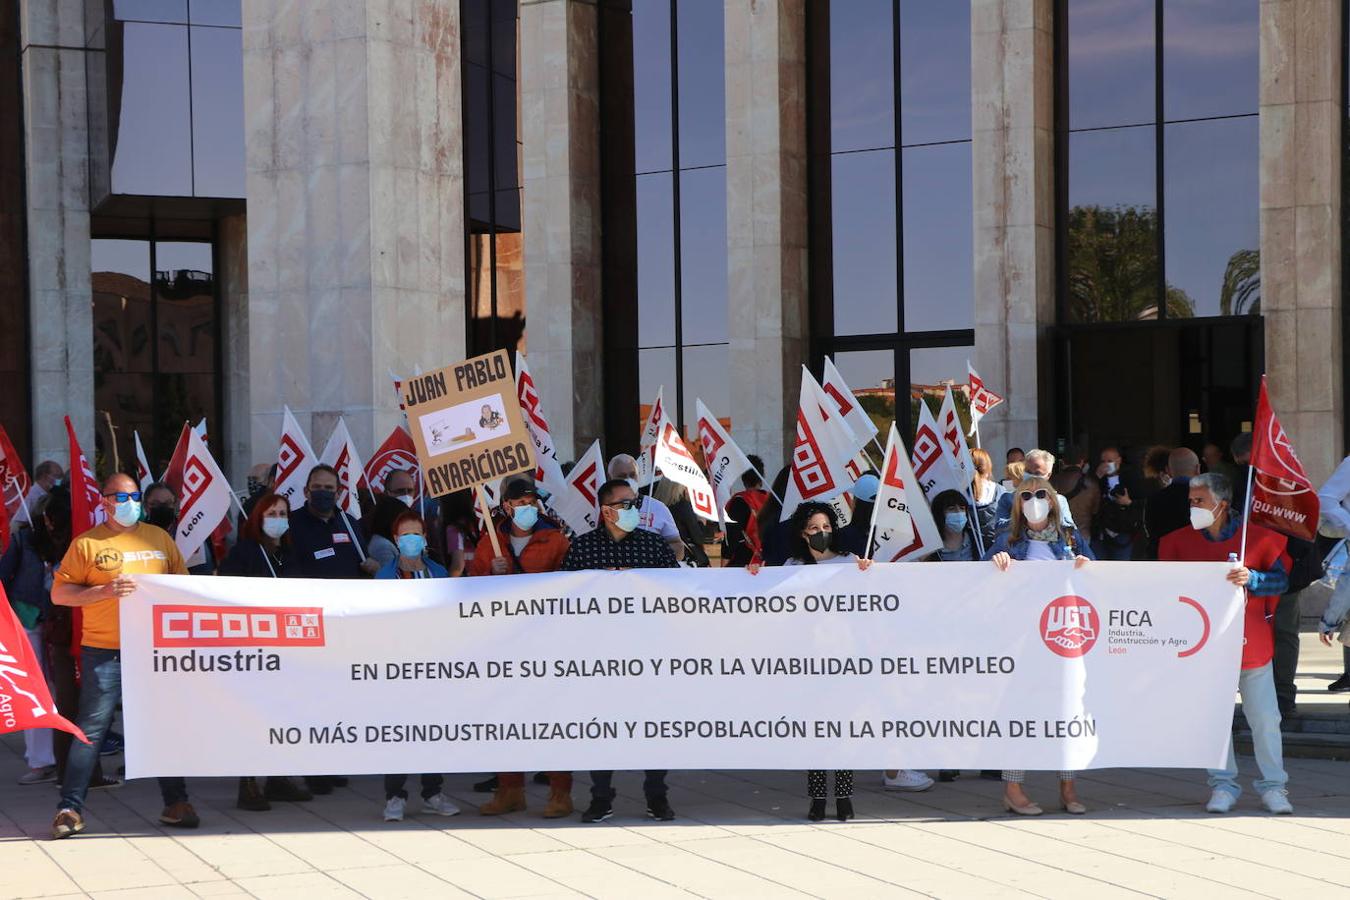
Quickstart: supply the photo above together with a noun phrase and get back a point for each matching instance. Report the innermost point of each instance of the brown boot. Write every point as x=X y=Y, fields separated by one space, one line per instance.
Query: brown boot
x=505 y=800
x=559 y=805
x=250 y=798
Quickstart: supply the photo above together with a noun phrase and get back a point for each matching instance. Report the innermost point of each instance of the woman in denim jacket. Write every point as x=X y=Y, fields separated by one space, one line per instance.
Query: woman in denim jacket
x=1034 y=534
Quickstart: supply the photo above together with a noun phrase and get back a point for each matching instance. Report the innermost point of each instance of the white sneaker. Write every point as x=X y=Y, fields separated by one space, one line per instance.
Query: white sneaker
x=906 y=780
x=439 y=805
x=393 y=809
x=1276 y=801
x=1220 y=801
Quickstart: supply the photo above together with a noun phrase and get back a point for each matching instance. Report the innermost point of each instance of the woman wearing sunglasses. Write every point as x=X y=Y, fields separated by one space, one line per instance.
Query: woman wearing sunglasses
x=1035 y=534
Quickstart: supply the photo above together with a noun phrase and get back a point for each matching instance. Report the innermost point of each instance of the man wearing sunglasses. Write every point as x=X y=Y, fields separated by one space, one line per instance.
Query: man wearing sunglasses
x=95 y=575
x=620 y=544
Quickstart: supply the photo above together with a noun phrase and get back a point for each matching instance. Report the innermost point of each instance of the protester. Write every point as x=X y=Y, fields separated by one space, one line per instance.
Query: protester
x=1014 y=455
x=1216 y=534
x=1119 y=518
x=1170 y=508
x=46 y=476
x=410 y=537
x=1038 y=464
x=26 y=578
x=1013 y=473
x=1036 y=534
x=653 y=515
x=618 y=543
x=95 y=575
x=380 y=545
x=529 y=543
x=1305 y=568
x=1212 y=456
x=692 y=533
x=161 y=510
x=461 y=530
x=1075 y=484
x=864 y=495
x=743 y=543
x=1334 y=498
x=1241 y=449
x=773 y=533
x=816 y=540
x=987 y=493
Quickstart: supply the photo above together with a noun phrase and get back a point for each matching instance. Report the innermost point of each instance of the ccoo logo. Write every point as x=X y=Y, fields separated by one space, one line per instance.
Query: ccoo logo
x=238 y=626
x=1069 y=626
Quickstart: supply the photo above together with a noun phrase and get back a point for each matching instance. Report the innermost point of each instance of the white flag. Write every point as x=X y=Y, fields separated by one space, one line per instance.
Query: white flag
x=902 y=525
x=581 y=503
x=825 y=447
x=726 y=461
x=981 y=398
x=340 y=453
x=864 y=429
x=651 y=433
x=295 y=457
x=143 y=476
x=548 y=471
x=949 y=425
x=204 y=499
x=933 y=465
x=678 y=464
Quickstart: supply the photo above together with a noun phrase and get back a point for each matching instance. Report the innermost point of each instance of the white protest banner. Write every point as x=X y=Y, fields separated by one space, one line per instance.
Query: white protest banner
x=902 y=526
x=340 y=453
x=933 y=465
x=678 y=464
x=204 y=497
x=295 y=457
x=905 y=665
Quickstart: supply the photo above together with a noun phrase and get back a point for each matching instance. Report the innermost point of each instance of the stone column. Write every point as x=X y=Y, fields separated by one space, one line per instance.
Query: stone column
x=766 y=221
x=560 y=129
x=1301 y=224
x=56 y=153
x=1012 y=99
x=355 y=189
x=232 y=257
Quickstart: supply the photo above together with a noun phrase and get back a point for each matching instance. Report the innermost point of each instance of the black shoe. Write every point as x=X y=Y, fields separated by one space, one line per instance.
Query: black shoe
x=658 y=808
x=283 y=790
x=486 y=786
x=598 y=811
x=948 y=775
x=817 y=811
x=1340 y=685
x=541 y=778
x=843 y=808
x=319 y=785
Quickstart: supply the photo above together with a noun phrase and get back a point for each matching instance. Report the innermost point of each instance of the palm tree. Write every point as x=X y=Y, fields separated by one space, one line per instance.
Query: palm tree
x=1113 y=266
x=1241 y=292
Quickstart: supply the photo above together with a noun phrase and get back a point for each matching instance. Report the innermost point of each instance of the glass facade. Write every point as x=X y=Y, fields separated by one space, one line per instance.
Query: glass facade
x=892 y=269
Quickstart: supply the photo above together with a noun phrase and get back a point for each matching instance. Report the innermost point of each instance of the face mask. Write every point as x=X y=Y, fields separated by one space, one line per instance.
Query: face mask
x=56 y=482
x=408 y=499
x=1201 y=517
x=323 y=501
x=1111 y=468
x=628 y=519
x=955 y=521
x=525 y=517
x=411 y=545
x=819 y=542
x=274 y=527
x=127 y=513
x=1036 y=509
x=161 y=516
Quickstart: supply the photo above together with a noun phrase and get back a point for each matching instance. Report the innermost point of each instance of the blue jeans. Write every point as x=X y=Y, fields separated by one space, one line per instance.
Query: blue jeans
x=1262 y=710
x=100 y=692
x=1113 y=549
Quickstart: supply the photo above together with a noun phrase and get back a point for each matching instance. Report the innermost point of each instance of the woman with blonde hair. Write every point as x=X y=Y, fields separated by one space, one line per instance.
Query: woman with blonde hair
x=987 y=492
x=1036 y=533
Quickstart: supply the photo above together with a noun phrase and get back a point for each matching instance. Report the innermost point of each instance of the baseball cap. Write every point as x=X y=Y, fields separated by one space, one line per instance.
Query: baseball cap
x=519 y=486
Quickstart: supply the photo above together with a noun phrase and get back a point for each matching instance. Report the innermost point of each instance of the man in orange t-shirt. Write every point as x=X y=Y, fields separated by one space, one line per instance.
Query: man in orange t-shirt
x=96 y=575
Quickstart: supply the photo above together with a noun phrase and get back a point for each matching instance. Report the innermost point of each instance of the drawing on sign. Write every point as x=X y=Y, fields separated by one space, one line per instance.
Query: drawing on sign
x=464 y=425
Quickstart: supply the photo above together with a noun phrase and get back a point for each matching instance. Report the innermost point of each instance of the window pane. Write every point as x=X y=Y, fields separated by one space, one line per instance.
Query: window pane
x=863 y=206
x=1210 y=57
x=656 y=370
x=862 y=75
x=217 y=112
x=151 y=141
x=1111 y=63
x=934 y=72
x=871 y=376
x=707 y=374
x=656 y=261
x=939 y=267
x=215 y=12
x=151 y=10
x=1213 y=221
x=1113 y=226
x=703 y=104
x=183 y=398
x=121 y=286
x=703 y=254
x=651 y=85
x=185 y=289
x=931 y=369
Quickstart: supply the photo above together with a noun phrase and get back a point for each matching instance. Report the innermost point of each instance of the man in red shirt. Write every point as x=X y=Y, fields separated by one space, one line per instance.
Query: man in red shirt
x=1214 y=533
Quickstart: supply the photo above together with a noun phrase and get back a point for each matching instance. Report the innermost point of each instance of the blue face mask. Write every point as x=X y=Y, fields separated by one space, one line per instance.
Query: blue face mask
x=411 y=545
x=127 y=513
x=955 y=521
x=628 y=519
x=525 y=517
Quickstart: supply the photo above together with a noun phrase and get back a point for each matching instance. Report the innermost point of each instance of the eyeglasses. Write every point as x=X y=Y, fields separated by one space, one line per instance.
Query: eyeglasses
x=124 y=496
x=1039 y=495
x=624 y=504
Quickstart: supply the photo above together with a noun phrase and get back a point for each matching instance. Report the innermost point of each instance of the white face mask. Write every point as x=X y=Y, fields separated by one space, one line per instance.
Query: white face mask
x=1036 y=509
x=275 y=526
x=1202 y=517
x=1111 y=468
x=408 y=499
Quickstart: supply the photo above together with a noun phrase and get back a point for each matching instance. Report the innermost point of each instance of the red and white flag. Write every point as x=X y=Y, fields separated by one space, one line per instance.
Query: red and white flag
x=678 y=464
x=14 y=480
x=86 y=496
x=651 y=433
x=143 y=476
x=340 y=453
x=173 y=475
x=949 y=424
x=864 y=429
x=726 y=461
x=1282 y=497
x=902 y=526
x=204 y=497
x=933 y=464
x=397 y=453
x=825 y=448
x=295 y=457
x=548 y=471
x=981 y=398
x=27 y=701
x=579 y=506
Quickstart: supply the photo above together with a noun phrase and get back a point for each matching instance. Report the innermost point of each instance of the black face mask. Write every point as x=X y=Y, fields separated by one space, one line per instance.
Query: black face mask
x=160 y=516
x=819 y=542
x=323 y=501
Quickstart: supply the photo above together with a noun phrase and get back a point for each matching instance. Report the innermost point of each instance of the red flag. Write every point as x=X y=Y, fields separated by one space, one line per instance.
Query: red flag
x=25 y=701
x=173 y=475
x=86 y=497
x=14 y=485
x=1282 y=497
x=397 y=452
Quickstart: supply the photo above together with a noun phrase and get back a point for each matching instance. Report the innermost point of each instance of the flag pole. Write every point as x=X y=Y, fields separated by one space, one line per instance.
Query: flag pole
x=487 y=521
x=871 y=531
x=976 y=428
x=1246 y=514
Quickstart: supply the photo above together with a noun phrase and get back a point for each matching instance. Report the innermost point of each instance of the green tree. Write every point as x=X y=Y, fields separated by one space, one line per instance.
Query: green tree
x=1241 y=292
x=1113 y=266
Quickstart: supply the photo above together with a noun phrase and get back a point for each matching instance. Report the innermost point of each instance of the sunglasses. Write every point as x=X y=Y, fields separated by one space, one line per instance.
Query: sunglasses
x=124 y=496
x=1039 y=495
x=624 y=504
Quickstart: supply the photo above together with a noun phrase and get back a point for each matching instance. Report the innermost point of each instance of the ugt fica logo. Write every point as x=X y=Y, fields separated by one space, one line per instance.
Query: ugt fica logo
x=1069 y=626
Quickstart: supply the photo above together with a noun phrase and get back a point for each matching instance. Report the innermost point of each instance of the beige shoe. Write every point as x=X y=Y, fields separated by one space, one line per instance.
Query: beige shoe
x=505 y=800
x=559 y=805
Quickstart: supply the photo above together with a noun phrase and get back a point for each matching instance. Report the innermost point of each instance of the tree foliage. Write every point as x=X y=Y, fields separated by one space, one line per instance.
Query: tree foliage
x=1113 y=266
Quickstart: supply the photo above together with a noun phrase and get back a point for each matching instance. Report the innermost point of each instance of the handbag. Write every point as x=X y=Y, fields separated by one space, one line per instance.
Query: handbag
x=1335 y=563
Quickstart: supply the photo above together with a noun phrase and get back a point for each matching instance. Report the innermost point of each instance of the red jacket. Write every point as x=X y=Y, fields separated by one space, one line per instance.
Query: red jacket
x=544 y=552
x=1265 y=548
